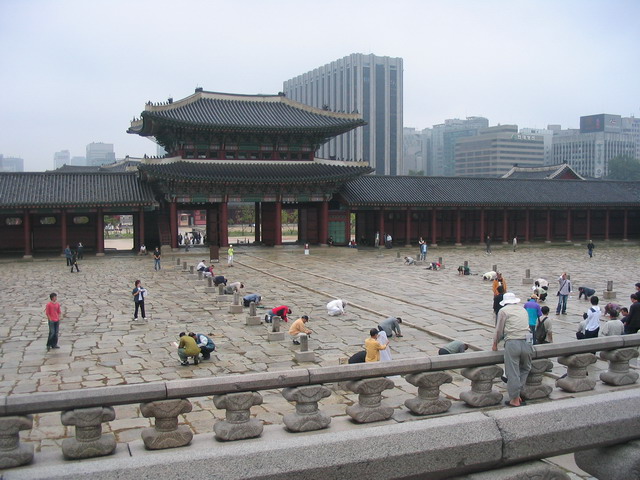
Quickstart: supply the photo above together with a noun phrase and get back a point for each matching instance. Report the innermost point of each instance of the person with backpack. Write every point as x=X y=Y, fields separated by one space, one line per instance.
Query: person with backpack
x=543 y=333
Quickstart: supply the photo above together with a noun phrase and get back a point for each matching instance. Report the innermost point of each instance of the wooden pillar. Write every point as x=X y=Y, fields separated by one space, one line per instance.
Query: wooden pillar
x=63 y=229
x=607 y=219
x=505 y=226
x=381 y=226
x=258 y=223
x=527 y=221
x=588 y=224
x=100 y=233
x=626 y=225
x=224 y=224
x=407 y=230
x=348 y=227
x=434 y=238
x=278 y=224
x=482 y=227
x=568 y=239
x=458 y=225
x=323 y=227
x=140 y=227
x=173 y=224
x=26 y=225
x=548 y=233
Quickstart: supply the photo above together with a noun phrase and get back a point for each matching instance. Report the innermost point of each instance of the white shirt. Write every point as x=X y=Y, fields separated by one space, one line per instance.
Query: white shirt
x=593 y=318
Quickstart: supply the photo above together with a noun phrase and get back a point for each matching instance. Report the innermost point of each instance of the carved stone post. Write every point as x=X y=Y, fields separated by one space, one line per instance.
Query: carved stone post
x=619 y=373
x=304 y=355
x=428 y=400
x=166 y=433
x=252 y=309
x=238 y=423
x=527 y=280
x=200 y=275
x=618 y=462
x=184 y=267
x=534 y=388
x=236 y=307
x=609 y=294
x=89 y=441
x=576 y=379
x=252 y=318
x=210 y=288
x=307 y=416
x=275 y=335
x=12 y=452
x=481 y=393
x=221 y=296
x=369 y=407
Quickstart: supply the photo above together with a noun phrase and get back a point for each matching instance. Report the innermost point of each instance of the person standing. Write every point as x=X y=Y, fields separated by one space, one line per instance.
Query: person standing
x=139 y=293
x=385 y=355
x=156 y=259
x=67 y=254
x=376 y=242
x=590 y=247
x=499 y=281
x=54 y=313
x=513 y=328
x=496 y=301
x=632 y=324
x=534 y=312
x=515 y=243
x=487 y=242
x=373 y=347
x=563 y=293
x=544 y=328
x=74 y=261
x=187 y=242
x=80 y=251
x=423 y=249
x=230 y=256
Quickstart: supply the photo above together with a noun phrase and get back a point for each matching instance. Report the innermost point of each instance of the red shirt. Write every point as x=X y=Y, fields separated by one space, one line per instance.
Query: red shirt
x=281 y=312
x=53 y=311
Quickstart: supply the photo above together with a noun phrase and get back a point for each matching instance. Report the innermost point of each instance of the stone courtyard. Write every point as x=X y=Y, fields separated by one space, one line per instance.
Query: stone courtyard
x=101 y=345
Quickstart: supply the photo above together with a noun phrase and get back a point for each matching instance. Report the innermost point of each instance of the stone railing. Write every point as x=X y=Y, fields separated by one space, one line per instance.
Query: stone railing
x=590 y=422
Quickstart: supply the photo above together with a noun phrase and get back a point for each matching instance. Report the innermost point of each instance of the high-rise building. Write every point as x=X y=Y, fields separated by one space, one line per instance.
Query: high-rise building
x=443 y=141
x=99 y=153
x=61 y=158
x=11 y=164
x=547 y=138
x=370 y=85
x=588 y=150
x=495 y=150
x=414 y=154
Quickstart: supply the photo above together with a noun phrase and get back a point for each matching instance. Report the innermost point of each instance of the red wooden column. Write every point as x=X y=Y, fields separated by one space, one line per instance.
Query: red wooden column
x=407 y=230
x=588 y=224
x=63 y=229
x=568 y=225
x=434 y=238
x=626 y=225
x=258 y=222
x=224 y=224
x=278 y=224
x=323 y=228
x=548 y=235
x=505 y=226
x=381 y=226
x=607 y=217
x=458 y=225
x=527 y=221
x=141 y=227
x=26 y=225
x=173 y=224
x=482 y=221
x=100 y=233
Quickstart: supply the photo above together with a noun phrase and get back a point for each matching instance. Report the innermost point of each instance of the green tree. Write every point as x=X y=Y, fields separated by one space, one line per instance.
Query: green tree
x=624 y=167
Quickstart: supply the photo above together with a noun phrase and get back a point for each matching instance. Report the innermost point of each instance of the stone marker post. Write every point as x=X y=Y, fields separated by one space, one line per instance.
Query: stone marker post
x=252 y=318
x=609 y=293
x=210 y=288
x=440 y=262
x=12 y=452
x=166 y=432
x=307 y=417
x=370 y=407
x=89 y=441
x=527 y=280
x=200 y=277
x=428 y=400
x=534 y=388
x=275 y=335
x=221 y=296
x=238 y=423
x=494 y=268
x=576 y=379
x=178 y=263
x=304 y=355
x=481 y=393
x=235 y=307
x=619 y=373
x=184 y=266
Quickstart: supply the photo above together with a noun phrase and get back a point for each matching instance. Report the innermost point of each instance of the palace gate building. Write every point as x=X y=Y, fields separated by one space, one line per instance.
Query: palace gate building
x=259 y=149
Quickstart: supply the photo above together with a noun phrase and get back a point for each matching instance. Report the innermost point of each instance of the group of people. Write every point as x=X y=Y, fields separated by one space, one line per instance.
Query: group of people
x=193 y=345
x=386 y=238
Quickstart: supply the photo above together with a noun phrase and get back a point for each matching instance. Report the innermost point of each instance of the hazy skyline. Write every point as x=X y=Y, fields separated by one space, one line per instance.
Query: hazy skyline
x=76 y=72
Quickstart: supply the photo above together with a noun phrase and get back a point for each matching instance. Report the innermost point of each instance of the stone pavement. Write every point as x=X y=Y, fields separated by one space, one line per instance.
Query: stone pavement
x=101 y=345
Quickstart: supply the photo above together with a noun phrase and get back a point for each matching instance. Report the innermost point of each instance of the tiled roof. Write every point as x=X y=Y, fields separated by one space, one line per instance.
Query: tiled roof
x=123 y=165
x=76 y=169
x=372 y=190
x=55 y=189
x=213 y=171
x=242 y=113
x=563 y=171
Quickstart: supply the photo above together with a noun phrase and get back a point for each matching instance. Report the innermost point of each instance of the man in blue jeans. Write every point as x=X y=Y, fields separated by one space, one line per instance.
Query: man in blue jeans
x=564 y=290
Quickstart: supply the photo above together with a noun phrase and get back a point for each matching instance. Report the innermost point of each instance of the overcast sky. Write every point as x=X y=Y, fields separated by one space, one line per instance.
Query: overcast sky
x=75 y=72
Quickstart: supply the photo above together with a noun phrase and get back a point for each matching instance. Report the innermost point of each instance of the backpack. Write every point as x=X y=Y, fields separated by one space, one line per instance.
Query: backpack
x=541 y=332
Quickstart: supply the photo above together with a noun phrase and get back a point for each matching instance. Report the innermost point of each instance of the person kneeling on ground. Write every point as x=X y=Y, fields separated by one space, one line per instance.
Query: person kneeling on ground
x=219 y=279
x=409 y=261
x=586 y=291
x=205 y=344
x=282 y=311
x=298 y=329
x=358 y=357
x=390 y=326
x=187 y=348
x=336 y=307
x=233 y=288
x=252 y=297
x=453 y=347
x=434 y=266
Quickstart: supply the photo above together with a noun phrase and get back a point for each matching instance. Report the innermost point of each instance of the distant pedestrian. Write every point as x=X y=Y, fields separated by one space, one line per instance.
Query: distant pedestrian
x=487 y=242
x=230 y=256
x=632 y=324
x=187 y=242
x=423 y=249
x=74 y=261
x=590 y=247
x=156 y=259
x=564 y=290
x=453 y=347
x=515 y=243
x=80 y=251
x=376 y=241
x=54 y=314
x=67 y=254
x=139 y=293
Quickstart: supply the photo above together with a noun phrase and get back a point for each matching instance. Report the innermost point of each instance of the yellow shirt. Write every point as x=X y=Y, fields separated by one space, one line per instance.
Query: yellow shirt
x=298 y=327
x=189 y=344
x=373 y=347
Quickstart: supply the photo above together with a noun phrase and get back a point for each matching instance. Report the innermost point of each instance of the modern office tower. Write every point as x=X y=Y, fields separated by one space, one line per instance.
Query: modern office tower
x=547 y=137
x=631 y=126
x=99 y=153
x=367 y=84
x=79 y=161
x=443 y=141
x=11 y=164
x=61 y=158
x=589 y=149
x=495 y=150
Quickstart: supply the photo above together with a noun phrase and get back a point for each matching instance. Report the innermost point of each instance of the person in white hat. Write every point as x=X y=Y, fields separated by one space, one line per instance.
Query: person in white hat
x=513 y=327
